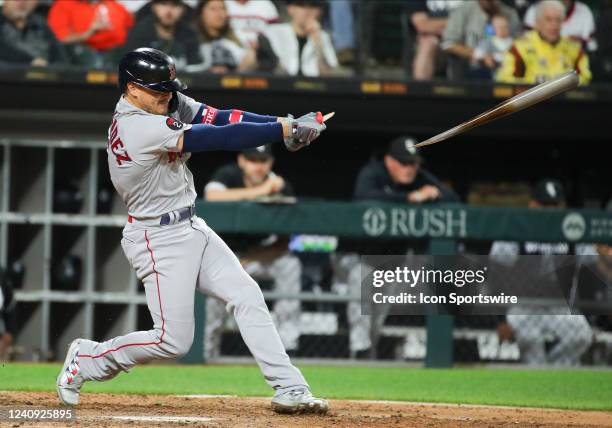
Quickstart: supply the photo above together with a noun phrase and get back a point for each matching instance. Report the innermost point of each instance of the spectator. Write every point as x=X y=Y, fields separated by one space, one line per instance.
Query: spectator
x=578 y=24
x=141 y=8
x=526 y=325
x=8 y=314
x=90 y=27
x=300 y=47
x=161 y=30
x=342 y=20
x=26 y=38
x=398 y=177
x=250 y=18
x=427 y=21
x=264 y=257
x=543 y=54
x=491 y=51
x=220 y=48
x=467 y=26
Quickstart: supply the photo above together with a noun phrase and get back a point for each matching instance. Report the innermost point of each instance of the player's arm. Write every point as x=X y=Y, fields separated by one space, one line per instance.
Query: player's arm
x=296 y=133
x=235 y=137
x=210 y=115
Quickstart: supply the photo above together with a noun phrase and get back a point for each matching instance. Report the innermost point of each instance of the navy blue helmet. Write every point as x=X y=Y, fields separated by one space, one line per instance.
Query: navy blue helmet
x=149 y=68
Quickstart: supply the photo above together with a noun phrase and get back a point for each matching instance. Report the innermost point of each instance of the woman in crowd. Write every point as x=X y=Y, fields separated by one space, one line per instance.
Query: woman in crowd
x=220 y=48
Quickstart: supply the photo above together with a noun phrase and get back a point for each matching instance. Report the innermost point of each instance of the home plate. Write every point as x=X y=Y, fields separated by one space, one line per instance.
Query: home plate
x=170 y=419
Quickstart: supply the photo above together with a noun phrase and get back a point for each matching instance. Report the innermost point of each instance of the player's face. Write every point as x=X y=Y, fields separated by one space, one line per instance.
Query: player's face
x=151 y=101
x=255 y=171
x=549 y=24
x=401 y=173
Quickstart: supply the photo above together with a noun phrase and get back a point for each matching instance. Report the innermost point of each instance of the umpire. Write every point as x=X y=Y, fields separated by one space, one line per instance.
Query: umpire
x=399 y=177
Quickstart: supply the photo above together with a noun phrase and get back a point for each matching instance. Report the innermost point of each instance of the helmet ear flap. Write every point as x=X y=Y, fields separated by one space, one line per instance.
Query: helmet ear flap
x=173 y=105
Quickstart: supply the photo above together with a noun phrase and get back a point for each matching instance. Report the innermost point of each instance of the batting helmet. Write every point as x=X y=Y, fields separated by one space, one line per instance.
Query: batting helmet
x=149 y=68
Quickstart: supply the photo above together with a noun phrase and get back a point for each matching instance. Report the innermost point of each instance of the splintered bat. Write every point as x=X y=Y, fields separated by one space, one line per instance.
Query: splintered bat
x=535 y=95
x=328 y=116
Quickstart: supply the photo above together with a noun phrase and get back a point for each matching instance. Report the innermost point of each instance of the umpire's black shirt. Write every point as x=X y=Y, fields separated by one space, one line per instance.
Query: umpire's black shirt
x=375 y=183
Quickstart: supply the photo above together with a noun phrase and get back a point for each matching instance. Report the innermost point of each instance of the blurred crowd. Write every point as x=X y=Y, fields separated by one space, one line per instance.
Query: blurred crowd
x=520 y=41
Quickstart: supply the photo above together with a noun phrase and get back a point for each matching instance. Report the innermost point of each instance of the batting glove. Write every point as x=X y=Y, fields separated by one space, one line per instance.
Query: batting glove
x=304 y=130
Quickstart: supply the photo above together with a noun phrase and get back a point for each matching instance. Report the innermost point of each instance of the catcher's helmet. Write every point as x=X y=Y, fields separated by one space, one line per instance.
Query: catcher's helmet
x=150 y=68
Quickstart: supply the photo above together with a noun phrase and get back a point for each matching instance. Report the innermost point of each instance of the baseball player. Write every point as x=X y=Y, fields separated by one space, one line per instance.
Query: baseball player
x=153 y=131
x=525 y=324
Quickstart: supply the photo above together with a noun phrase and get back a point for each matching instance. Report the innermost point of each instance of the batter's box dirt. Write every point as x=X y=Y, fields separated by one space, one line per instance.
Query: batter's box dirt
x=110 y=410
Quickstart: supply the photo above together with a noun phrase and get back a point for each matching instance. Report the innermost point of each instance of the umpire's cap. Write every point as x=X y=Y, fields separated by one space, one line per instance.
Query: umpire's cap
x=149 y=68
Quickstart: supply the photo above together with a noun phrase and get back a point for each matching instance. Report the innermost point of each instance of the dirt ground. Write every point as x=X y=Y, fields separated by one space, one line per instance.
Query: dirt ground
x=103 y=410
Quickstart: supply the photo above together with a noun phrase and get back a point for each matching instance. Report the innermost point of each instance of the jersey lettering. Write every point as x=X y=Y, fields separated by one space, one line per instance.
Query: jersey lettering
x=116 y=145
x=209 y=114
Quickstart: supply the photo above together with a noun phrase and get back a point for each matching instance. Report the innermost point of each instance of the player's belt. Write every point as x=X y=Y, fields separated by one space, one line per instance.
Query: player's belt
x=172 y=217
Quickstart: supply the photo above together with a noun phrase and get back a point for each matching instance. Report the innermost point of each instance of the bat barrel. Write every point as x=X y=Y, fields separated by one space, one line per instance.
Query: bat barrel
x=519 y=102
x=545 y=91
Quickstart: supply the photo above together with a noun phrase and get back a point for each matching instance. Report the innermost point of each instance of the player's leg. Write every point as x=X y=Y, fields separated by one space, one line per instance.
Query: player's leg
x=213 y=329
x=530 y=337
x=347 y=271
x=222 y=276
x=574 y=336
x=360 y=326
x=287 y=272
x=166 y=260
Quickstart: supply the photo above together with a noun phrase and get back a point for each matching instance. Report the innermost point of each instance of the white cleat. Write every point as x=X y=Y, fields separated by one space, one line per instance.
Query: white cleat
x=298 y=400
x=69 y=381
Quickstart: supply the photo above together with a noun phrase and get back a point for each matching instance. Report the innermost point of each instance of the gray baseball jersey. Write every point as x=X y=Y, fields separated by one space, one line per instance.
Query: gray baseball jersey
x=145 y=168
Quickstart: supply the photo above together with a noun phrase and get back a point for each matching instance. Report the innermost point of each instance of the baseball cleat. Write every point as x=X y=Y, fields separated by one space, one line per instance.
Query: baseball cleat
x=69 y=381
x=298 y=400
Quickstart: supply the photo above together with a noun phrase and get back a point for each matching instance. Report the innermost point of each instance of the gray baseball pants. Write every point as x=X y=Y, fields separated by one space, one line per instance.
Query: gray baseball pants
x=172 y=261
x=286 y=272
